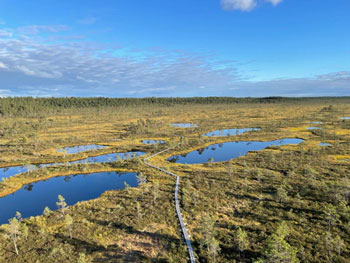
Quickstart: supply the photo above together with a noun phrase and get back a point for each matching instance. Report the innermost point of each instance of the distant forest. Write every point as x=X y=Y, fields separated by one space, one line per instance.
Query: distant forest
x=28 y=106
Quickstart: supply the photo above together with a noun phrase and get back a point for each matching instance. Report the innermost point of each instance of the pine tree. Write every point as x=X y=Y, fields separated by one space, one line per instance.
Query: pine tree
x=241 y=239
x=207 y=230
x=13 y=232
x=61 y=204
x=68 y=222
x=214 y=249
x=331 y=215
x=277 y=249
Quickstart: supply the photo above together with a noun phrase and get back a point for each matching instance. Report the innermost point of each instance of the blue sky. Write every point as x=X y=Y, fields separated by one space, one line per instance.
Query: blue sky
x=134 y=48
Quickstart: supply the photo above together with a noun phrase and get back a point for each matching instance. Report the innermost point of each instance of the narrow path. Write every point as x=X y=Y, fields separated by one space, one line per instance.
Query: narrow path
x=179 y=215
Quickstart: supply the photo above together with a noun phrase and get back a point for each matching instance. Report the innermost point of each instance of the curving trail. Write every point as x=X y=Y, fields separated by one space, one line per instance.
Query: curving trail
x=179 y=215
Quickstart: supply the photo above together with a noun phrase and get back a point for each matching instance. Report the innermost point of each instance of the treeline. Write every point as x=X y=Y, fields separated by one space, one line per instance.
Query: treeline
x=28 y=106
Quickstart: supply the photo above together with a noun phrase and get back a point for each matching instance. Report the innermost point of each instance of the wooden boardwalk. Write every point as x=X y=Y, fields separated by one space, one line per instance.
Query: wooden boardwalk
x=177 y=205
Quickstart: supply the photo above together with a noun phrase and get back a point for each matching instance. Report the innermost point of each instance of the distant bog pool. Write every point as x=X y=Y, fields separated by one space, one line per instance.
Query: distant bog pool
x=110 y=157
x=183 y=125
x=152 y=141
x=230 y=132
x=33 y=198
x=80 y=148
x=228 y=150
x=12 y=170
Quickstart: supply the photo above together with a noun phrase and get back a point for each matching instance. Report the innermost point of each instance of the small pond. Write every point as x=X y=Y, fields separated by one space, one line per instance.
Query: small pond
x=313 y=128
x=345 y=118
x=226 y=151
x=152 y=141
x=110 y=157
x=183 y=125
x=316 y=122
x=80 y=148
x=324 y=144
x=12 y=170
x=33 y=198
x=229 y=132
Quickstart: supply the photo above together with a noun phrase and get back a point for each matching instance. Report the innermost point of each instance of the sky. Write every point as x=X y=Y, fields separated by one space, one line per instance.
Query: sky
x=182 y=48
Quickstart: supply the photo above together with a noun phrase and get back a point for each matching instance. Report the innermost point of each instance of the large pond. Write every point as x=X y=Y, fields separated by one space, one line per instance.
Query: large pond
x=80 y=148
x=345 y=118
x=313 y=128
x=183 y=125
x=226 y=151
x=13 y=170
x=229 y=132
x=33 y=198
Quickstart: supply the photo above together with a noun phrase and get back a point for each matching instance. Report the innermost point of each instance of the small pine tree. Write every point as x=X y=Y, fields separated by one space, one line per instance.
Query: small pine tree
x=214 y=249
x=331 y=215
x=207 y=230
x=47 y=211
x=82 y=258
x=277 y=249
x=61 y=204
x=155 y=192
x=68 y=222
x=241 y=239
x=281 y=194
x=13 y=232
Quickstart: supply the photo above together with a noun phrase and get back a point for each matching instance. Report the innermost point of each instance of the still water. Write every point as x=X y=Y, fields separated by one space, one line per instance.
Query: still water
x=183 y=125
x=31 y=199
x=110 y=157
x=81 y=148
x=152 y=141
x=229 y=132
x=228 y=150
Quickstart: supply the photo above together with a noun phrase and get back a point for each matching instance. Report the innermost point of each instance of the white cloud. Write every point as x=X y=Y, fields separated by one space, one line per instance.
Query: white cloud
x=71 y=69
x=2 y=65
x=87 y=21
x=274 y=2
x=30 y=66
x=244 y=5
x=151 y=90
x=5 y=33
x=36 y=29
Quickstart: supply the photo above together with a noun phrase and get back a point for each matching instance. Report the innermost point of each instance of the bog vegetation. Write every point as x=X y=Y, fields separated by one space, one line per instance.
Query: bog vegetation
x=286 y=203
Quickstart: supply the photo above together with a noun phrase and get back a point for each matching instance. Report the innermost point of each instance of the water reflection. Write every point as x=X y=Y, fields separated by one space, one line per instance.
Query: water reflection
x=230 y=132
x=110 y=157
x=227 y=151
x=80 y=148
x=183 y=125
x=152 y=141
x=33 y=198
